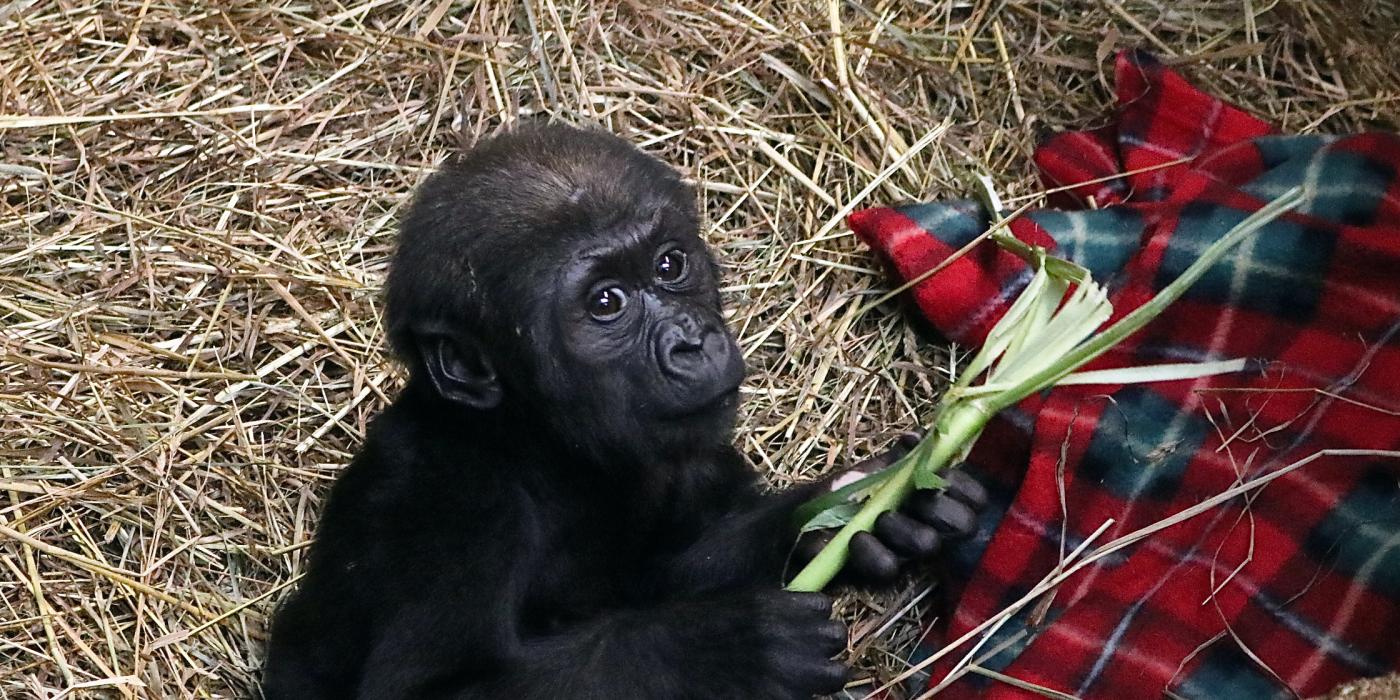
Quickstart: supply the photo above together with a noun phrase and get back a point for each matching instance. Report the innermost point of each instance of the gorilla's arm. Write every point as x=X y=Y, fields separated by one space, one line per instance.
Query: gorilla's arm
x=465 y=636
x=761 y=645
x=756 y=542
x=748 y=545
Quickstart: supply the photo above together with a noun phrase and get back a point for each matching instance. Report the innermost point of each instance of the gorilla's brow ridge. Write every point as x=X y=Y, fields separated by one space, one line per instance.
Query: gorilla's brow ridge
x=639 y=235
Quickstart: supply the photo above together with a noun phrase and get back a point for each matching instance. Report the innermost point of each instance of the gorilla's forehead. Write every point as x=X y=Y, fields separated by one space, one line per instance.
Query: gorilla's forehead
x=628 y=233
x=593 y=229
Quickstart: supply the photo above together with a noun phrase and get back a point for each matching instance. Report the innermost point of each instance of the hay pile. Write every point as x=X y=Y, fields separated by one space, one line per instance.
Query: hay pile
x=197 y=204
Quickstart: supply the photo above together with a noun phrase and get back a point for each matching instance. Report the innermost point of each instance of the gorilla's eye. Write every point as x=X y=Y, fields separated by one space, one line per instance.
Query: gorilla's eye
x=670 y=266
x=607 y=304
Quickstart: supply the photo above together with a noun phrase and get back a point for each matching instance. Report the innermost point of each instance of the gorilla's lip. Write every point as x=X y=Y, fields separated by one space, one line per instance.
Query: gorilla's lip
x=710 y=403
x=722 y=397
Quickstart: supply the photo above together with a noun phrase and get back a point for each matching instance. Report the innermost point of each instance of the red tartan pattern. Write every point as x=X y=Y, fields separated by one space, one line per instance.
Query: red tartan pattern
x=1308 y=574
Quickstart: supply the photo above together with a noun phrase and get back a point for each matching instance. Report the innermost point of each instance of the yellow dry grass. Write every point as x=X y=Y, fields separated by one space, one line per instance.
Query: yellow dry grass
x=198 y=202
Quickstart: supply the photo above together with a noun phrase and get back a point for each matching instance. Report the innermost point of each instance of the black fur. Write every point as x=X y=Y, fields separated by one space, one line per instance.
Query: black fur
x=552 y=507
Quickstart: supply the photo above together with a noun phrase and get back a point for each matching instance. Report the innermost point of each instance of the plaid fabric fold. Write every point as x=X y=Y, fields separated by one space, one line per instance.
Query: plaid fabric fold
x=1289 y=589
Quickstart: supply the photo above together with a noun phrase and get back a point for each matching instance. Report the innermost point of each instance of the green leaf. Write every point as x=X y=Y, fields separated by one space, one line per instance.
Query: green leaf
x=928 y=479
x=1039 y=316
x=988 y=195
x=1154 y=373
x=835 y=516
x=1006 y=329
x=850 y=493
x=1082 y=314
x=1058 y=268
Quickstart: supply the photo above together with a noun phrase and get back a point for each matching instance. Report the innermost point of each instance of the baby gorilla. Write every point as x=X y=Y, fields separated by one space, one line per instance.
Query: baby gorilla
x=553 y=507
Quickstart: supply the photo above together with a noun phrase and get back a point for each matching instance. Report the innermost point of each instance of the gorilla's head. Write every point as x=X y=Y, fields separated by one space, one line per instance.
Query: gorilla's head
x=557 y=275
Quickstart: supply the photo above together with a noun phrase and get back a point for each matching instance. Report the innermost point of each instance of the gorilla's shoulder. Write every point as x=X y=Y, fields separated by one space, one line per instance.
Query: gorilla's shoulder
x=407 y=463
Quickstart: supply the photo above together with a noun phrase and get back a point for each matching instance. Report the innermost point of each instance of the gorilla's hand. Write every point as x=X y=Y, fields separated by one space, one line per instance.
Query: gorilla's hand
x=796 y=639
x=756 y=643
x=914 y=533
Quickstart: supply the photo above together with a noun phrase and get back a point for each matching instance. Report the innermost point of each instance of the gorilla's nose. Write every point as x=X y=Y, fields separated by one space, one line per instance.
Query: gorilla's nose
x=701 y=361
x=684 y=351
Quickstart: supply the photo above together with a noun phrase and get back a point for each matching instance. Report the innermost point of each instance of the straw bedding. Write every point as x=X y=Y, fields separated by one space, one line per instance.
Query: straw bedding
x=198 y=202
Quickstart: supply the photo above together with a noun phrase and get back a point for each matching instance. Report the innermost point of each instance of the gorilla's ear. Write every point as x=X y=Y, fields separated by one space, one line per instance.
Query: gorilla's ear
x=460 y=369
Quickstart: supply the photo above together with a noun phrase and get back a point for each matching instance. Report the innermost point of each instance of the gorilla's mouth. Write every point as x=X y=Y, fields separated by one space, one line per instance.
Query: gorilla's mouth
x=723 y=399
x=726 y=397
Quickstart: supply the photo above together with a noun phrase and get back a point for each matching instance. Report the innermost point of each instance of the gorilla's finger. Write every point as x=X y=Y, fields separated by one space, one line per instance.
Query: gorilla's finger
x=872 y=560
x=967 y=489
x=906 y=536
x=831 y=637
x=910 y=439
x=804 y=658
x=809 y=544
x=951 y=516
x=830 y=678
x=809 y=603
x=810 y=677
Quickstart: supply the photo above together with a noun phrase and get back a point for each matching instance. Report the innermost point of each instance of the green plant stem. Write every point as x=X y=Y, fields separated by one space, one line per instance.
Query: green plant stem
x=1036 y=256
x=1139 y=317
x=956 y=430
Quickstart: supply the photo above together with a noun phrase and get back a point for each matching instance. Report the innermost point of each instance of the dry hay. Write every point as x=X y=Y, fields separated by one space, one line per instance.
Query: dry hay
x=199 y=202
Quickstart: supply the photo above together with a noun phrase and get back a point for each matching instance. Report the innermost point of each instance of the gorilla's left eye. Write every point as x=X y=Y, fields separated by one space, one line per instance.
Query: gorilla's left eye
x=670 y=266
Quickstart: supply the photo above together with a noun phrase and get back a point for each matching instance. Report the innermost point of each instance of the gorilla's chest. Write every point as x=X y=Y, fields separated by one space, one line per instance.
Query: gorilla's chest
x=591 y=568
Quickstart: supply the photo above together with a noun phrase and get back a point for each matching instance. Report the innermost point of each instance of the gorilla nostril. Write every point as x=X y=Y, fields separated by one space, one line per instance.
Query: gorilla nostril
x=685 y=354
x=689 y=345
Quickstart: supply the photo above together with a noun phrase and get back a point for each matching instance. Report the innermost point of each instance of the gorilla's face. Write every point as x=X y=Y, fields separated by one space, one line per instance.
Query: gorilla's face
x=645 y=356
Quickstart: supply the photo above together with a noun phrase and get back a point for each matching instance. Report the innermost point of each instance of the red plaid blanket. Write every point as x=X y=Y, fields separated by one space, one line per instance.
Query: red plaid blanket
x=1291 y=588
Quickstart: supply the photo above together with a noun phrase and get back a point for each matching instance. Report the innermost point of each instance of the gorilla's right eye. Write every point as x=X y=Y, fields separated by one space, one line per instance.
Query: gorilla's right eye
x=607 y=304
